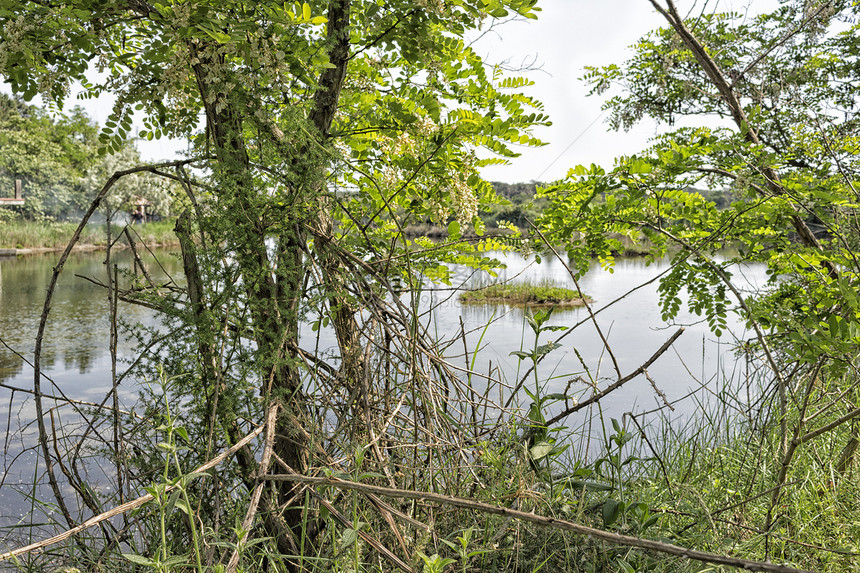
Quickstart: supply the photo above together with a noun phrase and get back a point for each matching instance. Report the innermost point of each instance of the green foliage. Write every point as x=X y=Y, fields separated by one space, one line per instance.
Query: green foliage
x=790 y=164
x=163 y=196
x=50 y=157
x=435 y=563
x=60 y=171
x=170 y=497
x=518 y=207
x=331 y=126
x=319 y=131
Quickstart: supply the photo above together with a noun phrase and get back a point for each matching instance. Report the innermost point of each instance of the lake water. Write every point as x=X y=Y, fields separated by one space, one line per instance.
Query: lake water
x=627 y=311
x=76 y=358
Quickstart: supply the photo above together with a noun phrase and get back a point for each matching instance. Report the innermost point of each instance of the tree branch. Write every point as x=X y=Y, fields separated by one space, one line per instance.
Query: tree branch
x=576 y=528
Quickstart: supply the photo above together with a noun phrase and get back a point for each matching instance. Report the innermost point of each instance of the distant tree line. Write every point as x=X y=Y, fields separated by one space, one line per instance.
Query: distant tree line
x=57 y=161
x=523 y=203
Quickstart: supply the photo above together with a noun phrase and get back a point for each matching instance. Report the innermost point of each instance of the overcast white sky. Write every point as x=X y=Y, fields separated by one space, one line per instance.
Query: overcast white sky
x=568 y=35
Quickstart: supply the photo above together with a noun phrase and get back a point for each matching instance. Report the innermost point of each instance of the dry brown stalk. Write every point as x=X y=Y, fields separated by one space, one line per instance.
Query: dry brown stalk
x=271 y=416
x=46 y=309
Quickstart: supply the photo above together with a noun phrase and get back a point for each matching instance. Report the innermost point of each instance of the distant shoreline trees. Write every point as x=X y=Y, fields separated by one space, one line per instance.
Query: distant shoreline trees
x=57 y=161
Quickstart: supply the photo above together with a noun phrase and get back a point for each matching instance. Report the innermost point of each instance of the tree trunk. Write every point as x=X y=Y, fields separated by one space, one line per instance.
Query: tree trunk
x=273 y=283
x=272 y=287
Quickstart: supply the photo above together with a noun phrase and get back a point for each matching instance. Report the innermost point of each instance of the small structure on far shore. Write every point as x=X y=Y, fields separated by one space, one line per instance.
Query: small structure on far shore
x=18 y=199
x=139 y=213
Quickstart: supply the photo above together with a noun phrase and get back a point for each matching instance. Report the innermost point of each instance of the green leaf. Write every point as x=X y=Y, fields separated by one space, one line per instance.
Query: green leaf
x=649 y=522
x=350 y=536
x=639 y=166
x=172 y=498
x=183 y=507
x=174 y=561
x=454 y=230
x=139 y=560
x=540 y=450
x=611 y=510
x=545 y=349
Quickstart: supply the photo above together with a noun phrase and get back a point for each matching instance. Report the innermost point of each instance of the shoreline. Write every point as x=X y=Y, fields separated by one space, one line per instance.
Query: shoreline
x=24 y=238
x=83 y=248
x=567 y=303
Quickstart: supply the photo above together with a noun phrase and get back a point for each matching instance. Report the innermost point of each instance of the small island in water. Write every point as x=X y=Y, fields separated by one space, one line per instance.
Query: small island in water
x=526 y=294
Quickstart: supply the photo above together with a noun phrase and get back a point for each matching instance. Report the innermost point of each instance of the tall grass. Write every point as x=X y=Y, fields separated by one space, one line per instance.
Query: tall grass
x=19 y=234
x=712 y=484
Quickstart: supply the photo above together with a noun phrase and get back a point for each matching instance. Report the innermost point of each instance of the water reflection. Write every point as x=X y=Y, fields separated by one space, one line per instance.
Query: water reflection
x=75 y=357
x=627 y=311
x=76 y=341
x=75 y=351
x=77 y=332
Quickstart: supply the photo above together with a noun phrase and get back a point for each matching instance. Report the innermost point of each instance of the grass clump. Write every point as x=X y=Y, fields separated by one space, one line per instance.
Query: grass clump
x=545 y=293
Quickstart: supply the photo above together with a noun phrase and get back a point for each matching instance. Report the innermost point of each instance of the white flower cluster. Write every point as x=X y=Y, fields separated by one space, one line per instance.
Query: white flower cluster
x=463 y=196
x=390 y=177
x=342 y=148
x=439 y=212
x=174 y=77
x=465 y=200
x=361 y=83
x=260 y=56
x=177 y=74
x=181 y=14
x=425 y=126
x=403 y=144
x=436 y=6
x=14 y=40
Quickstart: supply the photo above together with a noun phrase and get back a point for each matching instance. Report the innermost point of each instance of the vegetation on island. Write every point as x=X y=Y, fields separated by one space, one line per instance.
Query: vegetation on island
x=546 y=293
x=327 y=129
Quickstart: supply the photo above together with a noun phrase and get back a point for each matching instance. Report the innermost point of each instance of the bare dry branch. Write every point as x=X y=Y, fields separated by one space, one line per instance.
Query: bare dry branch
x=576 y=528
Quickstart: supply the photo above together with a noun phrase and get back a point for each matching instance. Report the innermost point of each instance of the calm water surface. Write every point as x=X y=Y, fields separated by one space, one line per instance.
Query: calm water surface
x=76 y=358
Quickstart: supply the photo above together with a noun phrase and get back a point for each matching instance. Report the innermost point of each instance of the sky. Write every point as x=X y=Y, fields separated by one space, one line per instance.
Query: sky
x=567 y=36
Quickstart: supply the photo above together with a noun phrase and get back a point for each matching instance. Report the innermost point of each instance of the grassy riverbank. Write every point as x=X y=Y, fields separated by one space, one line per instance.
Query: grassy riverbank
x=720 y=487
x=50 y=235
x=715 y=487
x=545 y=293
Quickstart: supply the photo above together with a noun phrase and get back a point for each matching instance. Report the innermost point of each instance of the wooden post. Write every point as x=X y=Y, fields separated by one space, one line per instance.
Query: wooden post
x=18 y=190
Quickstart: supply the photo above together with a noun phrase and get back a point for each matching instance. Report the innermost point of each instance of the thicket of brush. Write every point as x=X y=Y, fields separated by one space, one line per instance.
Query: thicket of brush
x=429 y=465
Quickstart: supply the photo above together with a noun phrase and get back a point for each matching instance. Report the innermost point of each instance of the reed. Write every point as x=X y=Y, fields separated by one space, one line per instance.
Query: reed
x=20 y=234
x=543 y=293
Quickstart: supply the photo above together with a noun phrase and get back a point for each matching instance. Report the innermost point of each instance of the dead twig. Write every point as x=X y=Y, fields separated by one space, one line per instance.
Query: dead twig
x=120 y=509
